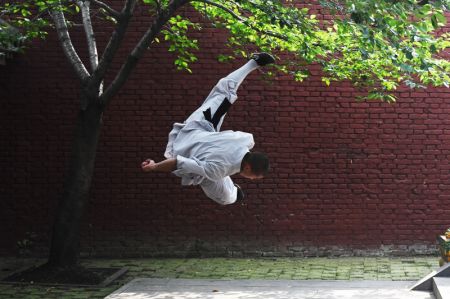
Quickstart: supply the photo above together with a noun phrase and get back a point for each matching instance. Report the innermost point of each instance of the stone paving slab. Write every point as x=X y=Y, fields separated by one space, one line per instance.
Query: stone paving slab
x=441 y=287
x=150 y=288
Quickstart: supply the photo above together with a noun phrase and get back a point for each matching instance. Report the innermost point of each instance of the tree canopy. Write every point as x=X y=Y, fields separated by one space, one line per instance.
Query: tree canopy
x=376 y=44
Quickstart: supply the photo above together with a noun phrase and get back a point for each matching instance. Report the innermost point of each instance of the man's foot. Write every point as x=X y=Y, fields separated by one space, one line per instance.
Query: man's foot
x=262 y=59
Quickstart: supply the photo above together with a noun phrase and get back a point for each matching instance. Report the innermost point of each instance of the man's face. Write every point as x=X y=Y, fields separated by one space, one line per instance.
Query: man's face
x=248 y=173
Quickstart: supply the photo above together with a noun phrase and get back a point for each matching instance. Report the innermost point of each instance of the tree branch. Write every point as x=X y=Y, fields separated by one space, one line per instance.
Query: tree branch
x=90 y=37
x=243 y=20
x=106 y=7
x=139 y=49
x=223 y=8
x=114 y=42
x=66 y=43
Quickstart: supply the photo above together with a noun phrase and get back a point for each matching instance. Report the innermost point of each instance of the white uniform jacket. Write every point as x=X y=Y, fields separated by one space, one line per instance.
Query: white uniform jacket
x=207 y=158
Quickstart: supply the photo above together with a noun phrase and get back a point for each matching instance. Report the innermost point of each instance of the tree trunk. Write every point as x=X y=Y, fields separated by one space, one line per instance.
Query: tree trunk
x=64 y=249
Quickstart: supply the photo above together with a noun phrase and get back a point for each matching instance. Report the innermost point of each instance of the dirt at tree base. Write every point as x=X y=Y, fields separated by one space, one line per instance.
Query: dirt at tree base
x=77 y=275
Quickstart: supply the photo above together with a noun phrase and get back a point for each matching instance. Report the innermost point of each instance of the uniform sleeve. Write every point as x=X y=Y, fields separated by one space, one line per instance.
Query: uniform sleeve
x=172 y=136
x=208 y=169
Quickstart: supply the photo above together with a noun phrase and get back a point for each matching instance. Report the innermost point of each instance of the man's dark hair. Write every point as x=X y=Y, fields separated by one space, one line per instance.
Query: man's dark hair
x=259 y=162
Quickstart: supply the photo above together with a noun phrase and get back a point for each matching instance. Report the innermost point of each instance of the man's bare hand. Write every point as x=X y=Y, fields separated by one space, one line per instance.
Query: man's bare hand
x=148 y=165
x=167 y=165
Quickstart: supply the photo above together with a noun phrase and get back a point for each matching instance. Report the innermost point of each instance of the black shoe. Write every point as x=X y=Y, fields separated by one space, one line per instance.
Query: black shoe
x=262 y=59
x=240 y=193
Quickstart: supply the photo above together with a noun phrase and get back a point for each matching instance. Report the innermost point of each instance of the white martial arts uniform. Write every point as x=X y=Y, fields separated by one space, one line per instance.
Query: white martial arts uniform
x=205 y=156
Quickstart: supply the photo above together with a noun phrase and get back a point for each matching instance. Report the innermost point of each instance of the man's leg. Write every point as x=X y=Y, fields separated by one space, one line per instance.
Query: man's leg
x=257 y=60
x=224 y=94
x=223 y=192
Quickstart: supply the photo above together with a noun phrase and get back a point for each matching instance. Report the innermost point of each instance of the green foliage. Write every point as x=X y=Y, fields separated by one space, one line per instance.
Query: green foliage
x=378 y=45
x=385 y=43
x=176 y=35
x=30 y=18
x=270 y=26
x=10 y=38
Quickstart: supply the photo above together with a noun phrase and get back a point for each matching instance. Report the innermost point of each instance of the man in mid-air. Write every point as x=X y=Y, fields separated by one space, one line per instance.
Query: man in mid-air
x=201 y=154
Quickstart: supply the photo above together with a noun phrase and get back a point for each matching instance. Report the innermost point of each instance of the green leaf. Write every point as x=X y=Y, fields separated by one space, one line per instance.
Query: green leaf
x=389 y=98
x=442 y=20
x=434 y=21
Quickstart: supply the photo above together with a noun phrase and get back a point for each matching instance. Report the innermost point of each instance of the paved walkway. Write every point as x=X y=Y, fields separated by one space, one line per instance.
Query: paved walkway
x=150 y=288
x=346 y=269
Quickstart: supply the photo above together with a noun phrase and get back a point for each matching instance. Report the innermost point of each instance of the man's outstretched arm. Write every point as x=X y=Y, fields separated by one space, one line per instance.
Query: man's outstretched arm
x=167 y=165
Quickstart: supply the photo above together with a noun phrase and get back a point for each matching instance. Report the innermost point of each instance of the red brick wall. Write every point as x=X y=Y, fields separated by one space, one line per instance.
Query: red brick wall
x=346 y=177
